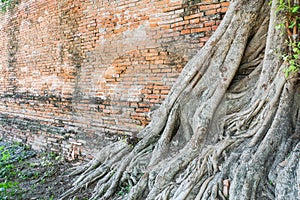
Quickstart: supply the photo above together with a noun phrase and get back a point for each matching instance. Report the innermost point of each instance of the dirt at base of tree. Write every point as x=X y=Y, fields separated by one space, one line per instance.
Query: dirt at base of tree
x=26 y=174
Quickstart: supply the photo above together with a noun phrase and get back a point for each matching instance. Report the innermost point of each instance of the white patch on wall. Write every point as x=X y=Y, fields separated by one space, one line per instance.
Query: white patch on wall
x=134 y=38
x=132 y=94
x=40 y=19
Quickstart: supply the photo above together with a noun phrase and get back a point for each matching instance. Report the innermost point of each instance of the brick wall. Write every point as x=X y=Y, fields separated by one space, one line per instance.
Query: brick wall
x=77 y=73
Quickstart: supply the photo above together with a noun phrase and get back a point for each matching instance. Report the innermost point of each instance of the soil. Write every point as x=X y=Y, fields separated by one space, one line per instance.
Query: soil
x=26 y=174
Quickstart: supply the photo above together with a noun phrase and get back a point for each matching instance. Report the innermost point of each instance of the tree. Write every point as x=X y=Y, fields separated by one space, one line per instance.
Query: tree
x=229 y=127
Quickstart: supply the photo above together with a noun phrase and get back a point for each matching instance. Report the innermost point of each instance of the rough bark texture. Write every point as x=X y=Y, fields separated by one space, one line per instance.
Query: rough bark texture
x=229 y=128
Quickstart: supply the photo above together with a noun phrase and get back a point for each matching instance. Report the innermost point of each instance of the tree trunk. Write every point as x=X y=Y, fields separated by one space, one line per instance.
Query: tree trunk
x=229 y=128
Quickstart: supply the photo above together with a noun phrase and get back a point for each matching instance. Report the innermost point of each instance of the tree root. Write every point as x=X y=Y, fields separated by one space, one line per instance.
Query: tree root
x=181 y=155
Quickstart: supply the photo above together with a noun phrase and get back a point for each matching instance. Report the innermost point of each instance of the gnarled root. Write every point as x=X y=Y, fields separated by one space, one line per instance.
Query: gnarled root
x=219 y=134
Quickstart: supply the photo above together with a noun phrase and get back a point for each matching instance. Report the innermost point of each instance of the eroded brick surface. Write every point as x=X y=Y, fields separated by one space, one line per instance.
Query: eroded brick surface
x=76 y=72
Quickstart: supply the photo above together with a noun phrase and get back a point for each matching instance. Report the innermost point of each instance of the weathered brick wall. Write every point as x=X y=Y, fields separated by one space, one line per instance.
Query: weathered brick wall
x=75 y=72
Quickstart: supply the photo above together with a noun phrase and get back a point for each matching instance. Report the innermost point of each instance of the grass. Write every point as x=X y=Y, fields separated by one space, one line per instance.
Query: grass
x=15 y=167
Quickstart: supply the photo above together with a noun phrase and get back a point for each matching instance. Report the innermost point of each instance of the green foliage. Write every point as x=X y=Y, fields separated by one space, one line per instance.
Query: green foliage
x=292 y=58
x=287 y=7
x=5 y=4
x=5 y=155
x=8 y=189
x=271 y=182
x=7 y=171
x=125 y=190
x=10 y=156
x=290 y=26
x=15 y=169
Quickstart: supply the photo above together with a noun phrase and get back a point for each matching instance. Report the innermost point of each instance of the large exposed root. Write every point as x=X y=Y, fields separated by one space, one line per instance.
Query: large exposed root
x=224 y=129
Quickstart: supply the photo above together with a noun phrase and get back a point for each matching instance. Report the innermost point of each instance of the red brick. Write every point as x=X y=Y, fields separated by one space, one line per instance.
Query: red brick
x=182 y=23
x=225 y=4
x=209 y=7
x=222 y=10
x=209 y=23
x=198 y=15
x=194 y=21
x=211 y=12
x=186 y=31
x=103 y=69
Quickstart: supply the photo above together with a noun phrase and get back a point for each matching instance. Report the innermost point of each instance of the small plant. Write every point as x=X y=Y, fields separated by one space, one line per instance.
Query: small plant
x=8 y=171
x=5 y=4
x=48 y=158
x=12 y=156
x=290 y=26
x=8 y=189
x=125 y=190
x=271 y=182
x=5 y=155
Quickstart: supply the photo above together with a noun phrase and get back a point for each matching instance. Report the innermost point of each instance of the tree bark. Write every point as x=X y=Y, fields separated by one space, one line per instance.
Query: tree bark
x=229 y=128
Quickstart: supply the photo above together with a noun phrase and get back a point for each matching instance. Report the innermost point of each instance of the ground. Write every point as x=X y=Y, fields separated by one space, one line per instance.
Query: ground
x=27 y=174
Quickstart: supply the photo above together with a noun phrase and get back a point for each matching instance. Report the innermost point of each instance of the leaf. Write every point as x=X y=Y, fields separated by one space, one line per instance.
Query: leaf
x=295 y=49
x=295 y=9
x=285 y=57
x=279 y=26
x=286 y=72
x=270 y=2
x=281 y=2
x=292 y=25
x=292 y=62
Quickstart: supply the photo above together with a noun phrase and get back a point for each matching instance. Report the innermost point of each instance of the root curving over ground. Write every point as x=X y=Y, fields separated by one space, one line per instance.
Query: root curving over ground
x=229 y=128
